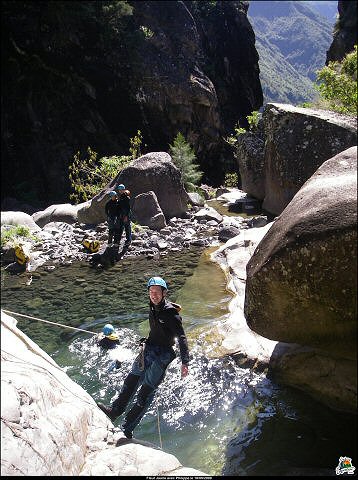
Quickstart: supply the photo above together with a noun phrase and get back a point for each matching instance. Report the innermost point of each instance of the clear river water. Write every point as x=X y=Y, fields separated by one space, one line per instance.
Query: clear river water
x=221 y=419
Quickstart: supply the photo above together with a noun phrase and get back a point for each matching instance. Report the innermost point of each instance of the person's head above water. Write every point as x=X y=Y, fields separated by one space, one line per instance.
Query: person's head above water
x=108 y=329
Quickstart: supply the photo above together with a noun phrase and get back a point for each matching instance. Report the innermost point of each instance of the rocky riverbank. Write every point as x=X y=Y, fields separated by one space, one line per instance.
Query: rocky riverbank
x=60 y=243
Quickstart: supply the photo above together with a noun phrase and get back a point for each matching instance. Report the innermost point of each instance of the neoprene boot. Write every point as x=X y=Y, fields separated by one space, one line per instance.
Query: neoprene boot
x=108 y=411
x=133 y=417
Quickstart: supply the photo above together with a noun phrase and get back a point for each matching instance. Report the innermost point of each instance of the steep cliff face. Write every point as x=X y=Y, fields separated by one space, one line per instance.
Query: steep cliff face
x=345 y=35
x=79 y=74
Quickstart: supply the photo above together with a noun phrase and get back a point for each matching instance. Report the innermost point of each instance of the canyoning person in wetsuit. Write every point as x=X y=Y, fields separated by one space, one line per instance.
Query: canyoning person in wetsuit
x=149 y=367
x=109 y=339
x=111 y=212
x=123 y=215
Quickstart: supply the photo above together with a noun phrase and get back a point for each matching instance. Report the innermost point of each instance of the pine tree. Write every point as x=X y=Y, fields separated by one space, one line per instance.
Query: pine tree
x=184 y=157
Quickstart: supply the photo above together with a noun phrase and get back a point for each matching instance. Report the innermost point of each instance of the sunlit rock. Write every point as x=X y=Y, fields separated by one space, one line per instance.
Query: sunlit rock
x=146 y=211
x=19 y=218
x=302 y=283
x=297 y=142
x=56 y=213
x=151 y=172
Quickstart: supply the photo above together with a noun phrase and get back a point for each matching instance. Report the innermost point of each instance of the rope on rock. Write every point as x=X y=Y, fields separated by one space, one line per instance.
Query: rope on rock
x=47 y=321
x=160 y=435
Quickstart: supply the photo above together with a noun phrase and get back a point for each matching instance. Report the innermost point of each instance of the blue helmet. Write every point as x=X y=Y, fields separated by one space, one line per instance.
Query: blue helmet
x=108 y=329
x=157 y=281
x=112 y=193
x=121 y=187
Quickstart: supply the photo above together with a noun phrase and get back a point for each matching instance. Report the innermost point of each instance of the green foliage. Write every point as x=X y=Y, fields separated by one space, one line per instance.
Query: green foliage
x=148 y=33
x=231 y=180
x=87 y=177
x=110 y=166
x=252 y=120
x=136 y=143
x=305 y=105
x=136 y=227
x=337 y=83
x=14 y=234
x=204 y=8
x=184 y=157
x=112 y=17
x=115 y=10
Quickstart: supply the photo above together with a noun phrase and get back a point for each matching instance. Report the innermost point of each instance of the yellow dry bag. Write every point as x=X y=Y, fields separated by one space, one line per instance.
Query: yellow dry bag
x=21 y=257
x=91 y=245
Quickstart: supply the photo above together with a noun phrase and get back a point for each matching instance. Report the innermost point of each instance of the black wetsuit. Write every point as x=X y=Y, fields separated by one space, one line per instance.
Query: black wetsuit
x=108 y=343
x=123 y=221
x=149 y=368
x=166 y=325
x=111 y=209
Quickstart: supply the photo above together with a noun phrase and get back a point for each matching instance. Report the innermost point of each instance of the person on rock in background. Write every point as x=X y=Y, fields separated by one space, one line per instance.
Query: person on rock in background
x=148 y=369
x=123 y=215
x=111 y=212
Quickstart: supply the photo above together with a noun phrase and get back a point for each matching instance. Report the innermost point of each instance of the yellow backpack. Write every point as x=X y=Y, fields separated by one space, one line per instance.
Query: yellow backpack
x=21 y=256
x=91 y=245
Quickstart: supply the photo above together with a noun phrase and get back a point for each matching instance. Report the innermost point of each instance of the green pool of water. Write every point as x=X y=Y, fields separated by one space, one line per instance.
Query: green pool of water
x=222 y=419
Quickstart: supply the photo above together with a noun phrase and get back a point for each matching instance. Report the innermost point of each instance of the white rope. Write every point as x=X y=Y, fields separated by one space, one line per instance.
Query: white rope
x=160 y=435
x=47 y=321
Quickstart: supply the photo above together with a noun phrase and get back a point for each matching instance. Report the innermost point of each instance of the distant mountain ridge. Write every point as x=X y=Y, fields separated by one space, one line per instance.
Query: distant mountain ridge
x=292 y=39
x=327 y=8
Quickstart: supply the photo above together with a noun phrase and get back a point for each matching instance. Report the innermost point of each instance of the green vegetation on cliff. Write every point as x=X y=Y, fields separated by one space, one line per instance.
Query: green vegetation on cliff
x=337 y=84
x=184 y=158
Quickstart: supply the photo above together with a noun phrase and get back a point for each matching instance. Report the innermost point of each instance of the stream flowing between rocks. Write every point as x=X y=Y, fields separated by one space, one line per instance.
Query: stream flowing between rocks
x=221 y=419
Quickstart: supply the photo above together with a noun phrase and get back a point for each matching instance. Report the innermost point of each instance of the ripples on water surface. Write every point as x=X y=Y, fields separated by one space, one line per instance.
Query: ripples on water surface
x=221 y=419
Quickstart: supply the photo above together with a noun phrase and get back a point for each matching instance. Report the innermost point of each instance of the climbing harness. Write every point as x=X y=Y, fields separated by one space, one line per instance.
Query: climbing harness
x=141 y=353
x=47 y=321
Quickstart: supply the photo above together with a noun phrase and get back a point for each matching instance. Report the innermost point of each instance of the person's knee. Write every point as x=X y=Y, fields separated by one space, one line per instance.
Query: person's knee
x=145 y=393
x=131 y=381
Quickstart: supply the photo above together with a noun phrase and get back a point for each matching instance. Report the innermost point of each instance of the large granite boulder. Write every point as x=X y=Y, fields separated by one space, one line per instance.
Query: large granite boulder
x=249 y=150
x=51 y=427
x=301 y=280
x=298 y=141
x=19 y=218
x=56 y=213
x=151 y=172
x=146 y=211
